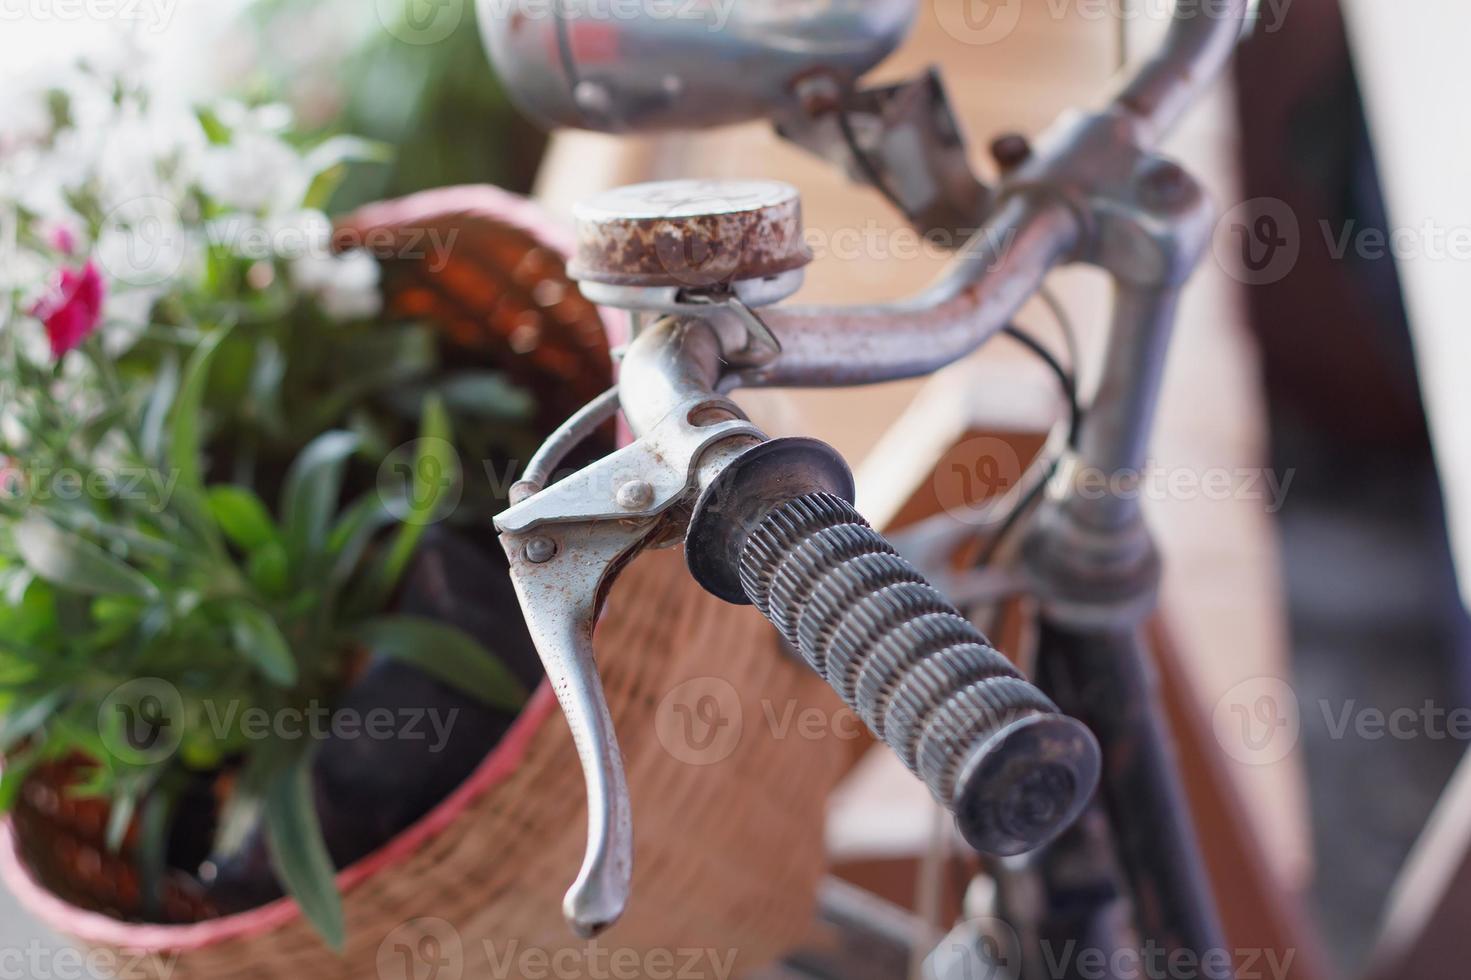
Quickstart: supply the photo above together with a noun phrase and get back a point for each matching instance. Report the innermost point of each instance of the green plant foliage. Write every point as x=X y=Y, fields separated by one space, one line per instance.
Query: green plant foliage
x=191 y=524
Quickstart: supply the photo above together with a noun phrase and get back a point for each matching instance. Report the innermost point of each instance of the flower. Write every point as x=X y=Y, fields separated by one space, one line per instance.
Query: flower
x=254 y=172
x=345 y=285
x=63 y=239
x=73 y=308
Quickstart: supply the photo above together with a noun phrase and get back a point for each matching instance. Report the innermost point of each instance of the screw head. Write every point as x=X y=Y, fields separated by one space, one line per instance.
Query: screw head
x=540 y=550
x=1166 y=186
x=635 y=495
x=1011 y=150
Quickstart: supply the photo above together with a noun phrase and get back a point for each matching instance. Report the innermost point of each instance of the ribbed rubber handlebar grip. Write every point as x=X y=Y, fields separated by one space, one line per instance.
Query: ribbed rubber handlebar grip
x=990 y=745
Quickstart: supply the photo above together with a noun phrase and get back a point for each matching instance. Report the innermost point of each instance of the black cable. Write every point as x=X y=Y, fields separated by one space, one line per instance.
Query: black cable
x=1069 y=385
x=1065 y=378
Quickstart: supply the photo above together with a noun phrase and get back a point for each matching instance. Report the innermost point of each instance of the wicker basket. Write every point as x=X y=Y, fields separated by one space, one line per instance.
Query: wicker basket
x=728 y=796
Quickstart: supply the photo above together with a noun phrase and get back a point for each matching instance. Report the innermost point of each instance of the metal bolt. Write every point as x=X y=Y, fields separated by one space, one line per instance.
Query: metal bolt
x=523 y=490
x=540 y=550
x=1010 y=151
x=635 y=495
x=1167 y=186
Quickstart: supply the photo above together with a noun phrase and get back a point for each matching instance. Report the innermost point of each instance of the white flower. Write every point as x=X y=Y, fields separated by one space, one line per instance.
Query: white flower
x=298 y=234
x=24 y=119
x=157 y=153
x=129 y=311
x=145 y=242
x=253 y=172
x=345 y=285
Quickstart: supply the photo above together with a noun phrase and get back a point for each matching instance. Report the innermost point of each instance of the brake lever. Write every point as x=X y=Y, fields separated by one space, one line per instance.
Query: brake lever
x=566 y=545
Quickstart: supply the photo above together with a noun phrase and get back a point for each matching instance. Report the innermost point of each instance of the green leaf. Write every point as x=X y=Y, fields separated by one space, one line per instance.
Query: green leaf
x=242 y=516
x=328 y=166
x=156 y=411
x=152 y=857
x=215 y=129
x=22 y=724
x=313 y=484
x=185 y=444
x=270 y=570
x=436 y=468
x=446 y=653
x=257 y=636
x=17 y=769
x=120 y=820
x=74 y=563
x=351 y=536
x=487 y=394
x=299 y=854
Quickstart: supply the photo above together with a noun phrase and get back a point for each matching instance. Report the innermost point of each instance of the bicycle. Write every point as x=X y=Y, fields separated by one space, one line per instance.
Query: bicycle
x=703 y=269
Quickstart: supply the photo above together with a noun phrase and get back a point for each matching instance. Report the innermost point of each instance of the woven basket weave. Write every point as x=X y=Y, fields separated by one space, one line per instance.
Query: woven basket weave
x=728 y=800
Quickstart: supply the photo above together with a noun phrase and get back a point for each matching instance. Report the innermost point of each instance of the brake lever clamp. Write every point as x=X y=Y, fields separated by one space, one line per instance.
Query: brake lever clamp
x=566 y=545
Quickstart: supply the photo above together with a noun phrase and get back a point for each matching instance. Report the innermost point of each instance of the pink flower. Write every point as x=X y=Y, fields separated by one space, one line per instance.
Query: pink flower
x=63 y=240
x=73 y=308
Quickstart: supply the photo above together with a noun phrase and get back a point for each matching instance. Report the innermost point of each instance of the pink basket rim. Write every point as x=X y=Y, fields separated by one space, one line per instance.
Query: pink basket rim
x=98 y=929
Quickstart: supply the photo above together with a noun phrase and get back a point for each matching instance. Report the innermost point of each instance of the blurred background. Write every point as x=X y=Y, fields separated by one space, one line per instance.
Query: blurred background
x=1339 y=377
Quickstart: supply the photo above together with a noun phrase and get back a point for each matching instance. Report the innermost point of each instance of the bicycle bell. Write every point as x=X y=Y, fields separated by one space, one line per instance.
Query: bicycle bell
x=680 y=64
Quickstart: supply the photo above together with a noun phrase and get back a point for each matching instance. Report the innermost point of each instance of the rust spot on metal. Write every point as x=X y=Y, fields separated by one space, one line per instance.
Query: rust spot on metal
x=690 y=234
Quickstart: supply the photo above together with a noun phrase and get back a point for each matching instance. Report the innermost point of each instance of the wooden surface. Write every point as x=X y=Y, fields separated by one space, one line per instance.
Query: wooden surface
x=1222 y=590
x=1411 y=60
